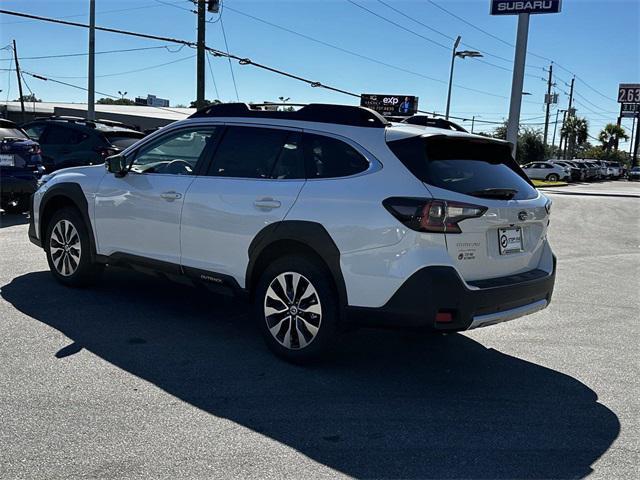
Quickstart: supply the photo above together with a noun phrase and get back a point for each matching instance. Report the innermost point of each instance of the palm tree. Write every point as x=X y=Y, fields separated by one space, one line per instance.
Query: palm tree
x=576 y=131
x=611 y=135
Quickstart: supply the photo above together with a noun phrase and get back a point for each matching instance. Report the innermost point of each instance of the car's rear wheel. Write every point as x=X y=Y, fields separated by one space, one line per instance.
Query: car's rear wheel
x=69 y=250
x=296 y=308
x=553 y=177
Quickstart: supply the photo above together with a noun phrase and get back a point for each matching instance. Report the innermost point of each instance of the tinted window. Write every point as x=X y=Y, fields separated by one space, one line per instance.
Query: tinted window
x=58 y=135
x=473 y=167
x=290 y=163
x=34 y=131
x=327 y=157
x=11 y=133
x=176 y=153
x=249 y=152
x=123 y=140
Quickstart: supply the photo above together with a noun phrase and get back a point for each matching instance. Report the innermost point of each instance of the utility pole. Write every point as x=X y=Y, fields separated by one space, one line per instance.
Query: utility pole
x=473 y=121
x=555 y=127
x=15 y=56
x=568 y=115
x=518 y=81
x=91 y=88
x=548 y=102
x=201 y=53
x=633 y=129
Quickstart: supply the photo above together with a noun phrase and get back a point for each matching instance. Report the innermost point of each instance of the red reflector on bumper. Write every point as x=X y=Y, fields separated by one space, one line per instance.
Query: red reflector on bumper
x=444 y=317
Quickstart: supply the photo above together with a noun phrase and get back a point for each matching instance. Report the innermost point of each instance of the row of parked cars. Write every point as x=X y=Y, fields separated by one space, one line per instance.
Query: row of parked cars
x=583 y=170
x=49 y=144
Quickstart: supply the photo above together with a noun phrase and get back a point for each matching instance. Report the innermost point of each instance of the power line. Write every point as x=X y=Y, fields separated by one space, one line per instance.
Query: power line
x=441 y=45
x=142 y=69
x=46 y=79
x=233 y=77
x=78 y=15
x=359 y=55
x=511 y=45
x=213 y=78
x=451 y=38
x=81 y=54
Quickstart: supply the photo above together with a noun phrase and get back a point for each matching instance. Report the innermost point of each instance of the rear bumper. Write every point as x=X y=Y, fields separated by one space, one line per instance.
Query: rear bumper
x=440 y=289
x=18 y=184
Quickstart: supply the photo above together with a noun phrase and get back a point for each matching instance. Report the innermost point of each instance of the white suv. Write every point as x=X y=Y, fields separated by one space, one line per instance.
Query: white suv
x=324 y=217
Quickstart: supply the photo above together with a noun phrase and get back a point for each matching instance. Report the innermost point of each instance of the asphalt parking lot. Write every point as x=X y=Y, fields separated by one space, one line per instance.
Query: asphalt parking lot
x=139 y=377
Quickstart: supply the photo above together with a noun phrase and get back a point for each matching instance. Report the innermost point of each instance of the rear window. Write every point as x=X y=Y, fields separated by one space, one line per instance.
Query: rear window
x=473 y=167
x=11 y=133
x=123 y=140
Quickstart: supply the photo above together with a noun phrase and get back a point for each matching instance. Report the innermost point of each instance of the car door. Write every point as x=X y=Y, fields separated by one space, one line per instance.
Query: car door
x=253 y=180
x=139 y=213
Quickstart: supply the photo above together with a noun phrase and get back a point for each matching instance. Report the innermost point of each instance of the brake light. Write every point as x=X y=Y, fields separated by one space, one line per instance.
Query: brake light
x=35 y=150
x=432 y=215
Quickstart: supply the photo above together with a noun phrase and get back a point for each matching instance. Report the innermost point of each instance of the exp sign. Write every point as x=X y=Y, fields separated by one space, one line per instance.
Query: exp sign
x=516 y=7
x=390 y=105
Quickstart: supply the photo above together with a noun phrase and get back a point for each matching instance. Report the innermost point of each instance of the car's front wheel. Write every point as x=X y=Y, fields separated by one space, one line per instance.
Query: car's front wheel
x=69 y=250
x=297 y=309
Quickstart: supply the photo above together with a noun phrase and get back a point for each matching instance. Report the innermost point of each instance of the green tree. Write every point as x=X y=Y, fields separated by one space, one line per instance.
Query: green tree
x=206 y=103
x=611 y=135
x=530 y=146
x=576 y=133
x=28 y=98
x=114 y=101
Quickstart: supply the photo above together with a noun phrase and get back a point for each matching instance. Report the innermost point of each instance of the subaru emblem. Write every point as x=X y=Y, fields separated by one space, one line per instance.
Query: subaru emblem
x=522 y=216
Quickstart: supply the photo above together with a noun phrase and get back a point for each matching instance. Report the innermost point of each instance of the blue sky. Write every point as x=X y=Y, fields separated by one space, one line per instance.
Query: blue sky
x=596 y=40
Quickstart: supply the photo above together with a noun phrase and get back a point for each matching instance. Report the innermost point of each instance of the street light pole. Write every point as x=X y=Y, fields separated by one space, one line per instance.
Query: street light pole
x=453 y=59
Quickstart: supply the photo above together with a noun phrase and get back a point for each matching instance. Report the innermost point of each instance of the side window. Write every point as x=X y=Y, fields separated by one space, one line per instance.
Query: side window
x=176 y=153
x=327 y=157
x=290 y=163
x=253 y=152
x=35 y=131
x=59 y=135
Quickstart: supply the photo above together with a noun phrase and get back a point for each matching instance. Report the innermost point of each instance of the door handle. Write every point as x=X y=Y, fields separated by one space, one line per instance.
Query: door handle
x=267 y=203
x=171 y=196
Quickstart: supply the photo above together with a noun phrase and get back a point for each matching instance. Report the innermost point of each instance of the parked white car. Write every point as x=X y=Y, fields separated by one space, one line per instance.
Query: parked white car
x=547 y=171
x=322 y=217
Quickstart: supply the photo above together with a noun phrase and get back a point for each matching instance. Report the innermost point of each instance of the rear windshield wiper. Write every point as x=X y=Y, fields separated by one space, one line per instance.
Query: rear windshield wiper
x=499 y=193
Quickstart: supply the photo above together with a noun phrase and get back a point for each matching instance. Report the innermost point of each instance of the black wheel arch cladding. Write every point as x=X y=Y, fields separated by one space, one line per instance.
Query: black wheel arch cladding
x=72 y=192
x=312 y=235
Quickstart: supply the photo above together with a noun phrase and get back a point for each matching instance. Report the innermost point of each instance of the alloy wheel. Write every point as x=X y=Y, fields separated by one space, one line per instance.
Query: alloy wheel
x=65 y=248
x=292 y=310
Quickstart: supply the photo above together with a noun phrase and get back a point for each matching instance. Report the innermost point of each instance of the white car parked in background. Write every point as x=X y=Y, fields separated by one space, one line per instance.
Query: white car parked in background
x=321 y=217
x=547 y=171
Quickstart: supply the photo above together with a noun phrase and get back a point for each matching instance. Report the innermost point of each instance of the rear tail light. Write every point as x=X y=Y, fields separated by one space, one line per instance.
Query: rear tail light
x=35 y=150
x=431 y=215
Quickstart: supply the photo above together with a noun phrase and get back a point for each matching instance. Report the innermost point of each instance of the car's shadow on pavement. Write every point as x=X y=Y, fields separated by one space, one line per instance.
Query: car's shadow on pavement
x=11 y=219
x=385 y=405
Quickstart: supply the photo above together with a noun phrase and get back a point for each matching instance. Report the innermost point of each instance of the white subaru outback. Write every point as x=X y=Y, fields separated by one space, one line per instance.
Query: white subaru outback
x=323 y=217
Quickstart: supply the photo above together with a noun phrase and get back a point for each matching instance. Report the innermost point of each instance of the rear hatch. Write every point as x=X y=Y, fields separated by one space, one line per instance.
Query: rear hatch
x=504 y=233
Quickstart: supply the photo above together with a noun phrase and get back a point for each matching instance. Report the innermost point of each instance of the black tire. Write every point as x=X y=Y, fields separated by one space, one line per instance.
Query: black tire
x=70 y=263
x=553 y=177
x=305 y=345
x=20 y=205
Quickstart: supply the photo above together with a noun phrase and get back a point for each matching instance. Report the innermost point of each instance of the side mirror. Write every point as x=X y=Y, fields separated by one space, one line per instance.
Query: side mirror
x=117 y=164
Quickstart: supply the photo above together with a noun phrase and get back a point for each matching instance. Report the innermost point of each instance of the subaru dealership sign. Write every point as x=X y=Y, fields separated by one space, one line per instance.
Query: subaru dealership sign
x=515 y=7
